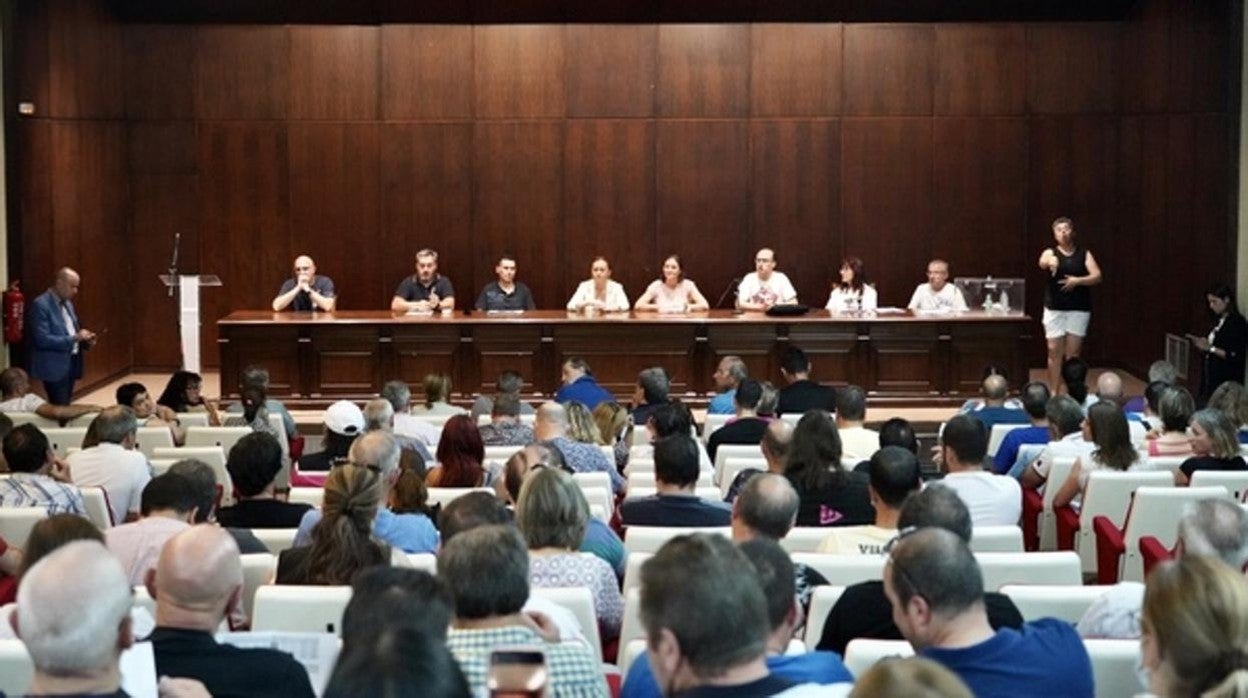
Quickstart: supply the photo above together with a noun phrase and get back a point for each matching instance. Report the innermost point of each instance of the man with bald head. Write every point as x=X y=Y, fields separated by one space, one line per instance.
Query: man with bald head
x=551 y=428
x=1109 y=388
x=57 y=339
x=196 y=584
x=305 y=291
x=996 y=389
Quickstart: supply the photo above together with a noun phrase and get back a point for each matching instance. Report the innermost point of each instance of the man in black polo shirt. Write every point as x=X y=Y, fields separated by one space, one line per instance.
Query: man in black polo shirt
x=802 y=393
x=675 y=502
x=505 y=294
x=254 y=463
x=426 y=290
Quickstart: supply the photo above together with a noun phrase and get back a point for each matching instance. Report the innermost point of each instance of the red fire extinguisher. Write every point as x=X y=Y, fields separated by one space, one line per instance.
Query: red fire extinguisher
x=14 y=313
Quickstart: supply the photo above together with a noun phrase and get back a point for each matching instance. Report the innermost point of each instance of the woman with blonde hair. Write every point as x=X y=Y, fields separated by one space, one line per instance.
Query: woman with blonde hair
x=1212 y=436
x=581 y=424
x=613 y=430
x=1231 y=399
x=916 y=677
x=342 y=541
x=437 y=395
x=1195 y=629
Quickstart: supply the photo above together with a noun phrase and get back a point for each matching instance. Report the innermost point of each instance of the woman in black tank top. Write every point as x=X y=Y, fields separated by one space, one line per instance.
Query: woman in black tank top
x=1072 y=271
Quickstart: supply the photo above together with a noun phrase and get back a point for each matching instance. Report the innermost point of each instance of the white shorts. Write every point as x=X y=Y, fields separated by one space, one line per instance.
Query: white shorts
x=1059 y=323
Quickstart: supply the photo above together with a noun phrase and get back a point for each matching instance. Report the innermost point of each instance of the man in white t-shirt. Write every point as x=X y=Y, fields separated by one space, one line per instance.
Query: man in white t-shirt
x=894 y=473
x=857 y=441
x=937 y=295
x=993 y=500
x=15 y=396
x=1065 y=426
x=765 y=286
x=114 y=464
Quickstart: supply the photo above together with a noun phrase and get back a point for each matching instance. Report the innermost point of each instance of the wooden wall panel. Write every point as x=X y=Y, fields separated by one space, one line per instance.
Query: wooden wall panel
x=795 y=204
x=980 y=69
x=518 y=71
x=886 y=176
x=1072 y=68
x=161 y=205
x=703 y=70
x=1201 y=51
x=1141 y=218
x=242 y=72
x=426 y=72
x=611 y=70
x=34 y=205
x=335 y=204
x=85 y=49
x=1144 y=60
x=518 y=215
x=160 y=72
x=334 y=72
x=888 y=69
x=609 y=201
x=163 y=147
x=702 y=186
x=795 y=69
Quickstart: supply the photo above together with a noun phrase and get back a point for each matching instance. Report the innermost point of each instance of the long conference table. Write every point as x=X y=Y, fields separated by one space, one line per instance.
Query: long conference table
x=313 y=358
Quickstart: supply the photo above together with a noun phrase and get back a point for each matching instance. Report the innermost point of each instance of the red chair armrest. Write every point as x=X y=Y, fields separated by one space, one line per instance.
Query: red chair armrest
x=1033 y=505
x=1153 y=552
x=1067 y=527
x=1110 y=546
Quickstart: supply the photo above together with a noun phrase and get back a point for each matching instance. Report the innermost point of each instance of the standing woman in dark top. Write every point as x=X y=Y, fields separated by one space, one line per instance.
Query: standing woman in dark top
x=1067 y=296
x=828 y=494
x=1225 y=344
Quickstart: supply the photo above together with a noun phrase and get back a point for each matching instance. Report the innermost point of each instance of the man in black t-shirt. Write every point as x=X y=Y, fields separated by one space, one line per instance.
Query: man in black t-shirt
x=426 y=290
x=254 y=463
x=802 y=393
x=747 y=428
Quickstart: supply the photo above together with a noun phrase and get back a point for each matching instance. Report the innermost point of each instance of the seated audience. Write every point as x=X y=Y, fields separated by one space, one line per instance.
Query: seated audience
x=1066 y=440
x=937 y=593
x=912 y=676
x=1075 y=380
x=976 y=404
x=258 y=377
x=1035 y=403
x=397 y=662
x=505 y=427
x=461 y=457
x=552 y=515
x=578 y=384
x=651 y=393
x=802 y=394
x=581 y=425
x=204 y=488
x=255 y=414
x=1231 y=399
x=198 y=583
x=396 y=596
x=150 y=414
x=342 y=542
x=857 y=442
x=487 y=570
x=15 y=396
x=168 y=509
x=775 y=448
x=675 y=502
x=551 y=428
x=114 y=464
x=1175 y=408
x=830 y=496
x=673 y=418
x=46 y=535
x=994 y=500
x=410 y=532
x=399 y=396
x=437 y=393
x=1160 y=371
x=864 y=610
x=728 y=375
x=894 y=474
x=1105 y=426
x=409 y=494
x=1213 y=445
x=768 y=402
x=379 y=416
x=689 y=580
x=746 y=428
x=767 y=508
x=343 y=421
x=1150 y=416
x=615 y=430
x=771 y=565
x=993 y=410
x=183 y=393
x=1109 y=389
x=38 y=478
x=254 y=462
x=508 y=383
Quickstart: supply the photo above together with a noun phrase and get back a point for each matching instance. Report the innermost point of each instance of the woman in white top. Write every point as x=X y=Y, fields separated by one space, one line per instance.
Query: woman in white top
x=673 y=293
x=599 y=292
x=852 y=293
x=1105 y=426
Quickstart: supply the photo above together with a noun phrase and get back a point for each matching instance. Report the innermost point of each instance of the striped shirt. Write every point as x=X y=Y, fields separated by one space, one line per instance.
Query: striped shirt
x=574 y=671
x=33 y=490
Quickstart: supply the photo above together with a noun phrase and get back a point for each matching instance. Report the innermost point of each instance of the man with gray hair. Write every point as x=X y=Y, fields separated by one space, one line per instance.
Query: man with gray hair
x=509 y=383
x=258 y=376
x=651 y=393
x=411 y=533
x=379 y=416
x=1160 y=371
x=857 y=441
x=767 y=508
x=399 y=395
x=505 y=427
x=551 y=428
x=994 y=410
x=728 y=375
x=114 y=464
x=775 y=448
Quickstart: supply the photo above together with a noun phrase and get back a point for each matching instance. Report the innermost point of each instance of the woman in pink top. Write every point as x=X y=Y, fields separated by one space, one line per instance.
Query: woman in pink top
x=673 y=293
x=1175 y=407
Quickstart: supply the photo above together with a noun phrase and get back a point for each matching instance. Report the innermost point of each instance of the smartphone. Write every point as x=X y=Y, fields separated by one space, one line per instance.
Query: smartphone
x=518 y=672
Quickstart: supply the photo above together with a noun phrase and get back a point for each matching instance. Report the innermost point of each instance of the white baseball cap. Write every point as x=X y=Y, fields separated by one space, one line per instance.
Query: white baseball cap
x=344 y=417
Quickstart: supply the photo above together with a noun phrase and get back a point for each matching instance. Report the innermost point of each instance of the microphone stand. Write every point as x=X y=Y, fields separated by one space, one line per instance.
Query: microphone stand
x=732 y=285
x=173 y=262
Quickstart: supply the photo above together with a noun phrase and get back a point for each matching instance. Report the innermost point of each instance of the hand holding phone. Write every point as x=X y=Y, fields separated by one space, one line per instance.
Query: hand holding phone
x=518 y=672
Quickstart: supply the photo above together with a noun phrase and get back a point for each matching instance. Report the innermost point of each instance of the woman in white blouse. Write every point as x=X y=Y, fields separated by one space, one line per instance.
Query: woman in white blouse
x=599 y=291
x=852 y=293
x=673 y=293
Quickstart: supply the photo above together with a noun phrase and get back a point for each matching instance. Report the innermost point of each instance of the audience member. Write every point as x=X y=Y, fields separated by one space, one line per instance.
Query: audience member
x=767 y=508
x=255 y=415
x=581 y=425
x=342 y=543
x=551 y=428
x=615 y=428
x=995 y=390
x=857 y=442
x=198 y=583
x=775 y=448
x=406 y=424
x=409 y=494
x=1105 y=426
x=769 y=402
x=15 y=396
x=204 y=488
x=1035 y=404
x=552 y=515
x=976 y=404
x=254 y=462
x=505 y=427
x=38 y=478
x=379 y=416
x=864 y=610
x=746 y=428
x=509 y=383
x=936 y=590
x=1213 y=445
x=675 y=502
x=114 y=464
x=168 y=509
x=579 y=384
x=184 y=393
x=651 y=393
x=343 y=421
x=258 y=376
x=914 y=677
x=396 y=596
x=1066 y=440
x=670 y=419
x=397 y=662
x=728 y=375
x=1109 y=389
x=487 y=569
x=1160 y=371
x=802 y=394
x=1175 y=407
x=830 y=496
x=461 y=457
x=1231 y=399
x=471 y=511
x=1150 y=416
x=150 y=414
x=46 y=535
x=1075 y=379
x=437 y=394
x=994 y=500
x=894 y=475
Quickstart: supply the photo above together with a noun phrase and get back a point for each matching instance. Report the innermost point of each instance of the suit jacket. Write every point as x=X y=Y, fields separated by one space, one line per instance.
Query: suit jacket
x=52 y=346
x=1233 y=339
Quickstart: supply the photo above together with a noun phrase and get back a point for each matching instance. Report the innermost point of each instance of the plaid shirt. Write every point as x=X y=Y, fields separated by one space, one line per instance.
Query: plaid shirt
x=31 y=490
x=574 y=672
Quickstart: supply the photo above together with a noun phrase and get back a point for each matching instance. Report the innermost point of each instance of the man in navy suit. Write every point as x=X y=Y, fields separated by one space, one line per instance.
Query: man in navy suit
x=57 y=339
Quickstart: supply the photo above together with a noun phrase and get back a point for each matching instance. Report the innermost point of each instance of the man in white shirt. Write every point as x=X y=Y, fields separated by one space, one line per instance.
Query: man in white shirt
x=1065 y=425
x=169 y=507
x=399 y=395
x=765 y=286
x=857 y=441
x=937 y=295
x=16 y=397
x=994 y=500
x=114 y=464
x=894 y=473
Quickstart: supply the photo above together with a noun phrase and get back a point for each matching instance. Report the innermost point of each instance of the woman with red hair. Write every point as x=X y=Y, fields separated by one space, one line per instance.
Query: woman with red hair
x=461 y=457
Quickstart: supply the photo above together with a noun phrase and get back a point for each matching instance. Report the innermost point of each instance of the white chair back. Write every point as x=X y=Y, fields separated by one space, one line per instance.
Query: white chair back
x=844 y=570
x=804 y=539
x=595 y=479
x=160 y=466
x=648 y=539
x=258 y=570
x=997 y=539
x=821 y=602
x=1069 y=603
x=225 y=437
x=96 y=503
x=580 y=602
x=445 y=495
x=276 y=539
x=600 y=499
x=148 y=439
x=300 y=609
x=862 y=654
x=20 y=418
x=998 y=435
x=500 y=454
x=1235 y=481
x=1108 y=493
x=1156 y=512
x=641 y=435
x=733 y=467
x=708 y=492
x=1137 y=432
x=61 y=438
x=282 y=481
x=629 y=653
x=193 y=419
x=1000 y=569
x=16 y=522
x=1113 y=667
x=713 y=423
x=427 y=562
x=632 y=578
x=17 y=669
x=312 y=496
x=726 y=451
x=639 y=464
x=1059 y=470
x=212 y=456
x=1167 y=463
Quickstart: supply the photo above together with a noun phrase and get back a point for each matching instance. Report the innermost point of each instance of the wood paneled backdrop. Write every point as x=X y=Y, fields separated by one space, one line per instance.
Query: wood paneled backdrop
x=359 y=144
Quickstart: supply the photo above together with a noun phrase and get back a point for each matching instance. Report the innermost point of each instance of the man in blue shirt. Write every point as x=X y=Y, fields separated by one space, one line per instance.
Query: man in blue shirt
x=937 y=593
x=579 y=385
x=1035 y=401
x=728 y=375
x=995 y=390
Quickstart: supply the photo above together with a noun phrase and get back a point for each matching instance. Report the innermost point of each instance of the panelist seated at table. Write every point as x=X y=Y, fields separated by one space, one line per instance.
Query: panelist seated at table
x=306 y=290
x=426 y=290
x=852 y=292
x=765 y=287
x=672 y=293
x=937 y=295
x=599 y=292
x=505 y=293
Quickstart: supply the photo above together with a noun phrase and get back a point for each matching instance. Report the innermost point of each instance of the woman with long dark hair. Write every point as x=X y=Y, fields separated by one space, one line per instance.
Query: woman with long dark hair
x=1225 y=344
x=183 y=394
x=852 y=292
x=1105 y=426
x=829 y=495
x=342 y=541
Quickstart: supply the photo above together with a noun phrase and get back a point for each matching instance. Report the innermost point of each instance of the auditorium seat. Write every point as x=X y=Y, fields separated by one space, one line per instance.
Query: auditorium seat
x=258 y=570
x=295 y=608
x=1155 y=511
x=500 y=454
x=726 y=451
x=20 y=418
x=844 y=570
x=16 y=522
x=95 y=501
x=1114 y=665
x=580 y=602
x=1108 y=494
x=596 y=479
x=148 y=439
x=629 y=654
x=1167 y=463
x=713 y=423
x=733 y=466
x=1069 y=603
x=194 y=419
x=276 y=539
x=1235 y=481
x=638 y=464
x=648 y=539
x=17 y=670
x=307 y=495
x=998 y=435
x=61 y=438
x=600 y=499
x=160 y=466
x=804 y=539
x=1038 y=508
x=213 y=457
x=630 y=625
x=862 y=654
x=445 y=495
x=427 y=562
x=225 y=437
x=997 y=539
x=822 y=599
x=1000 y=569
